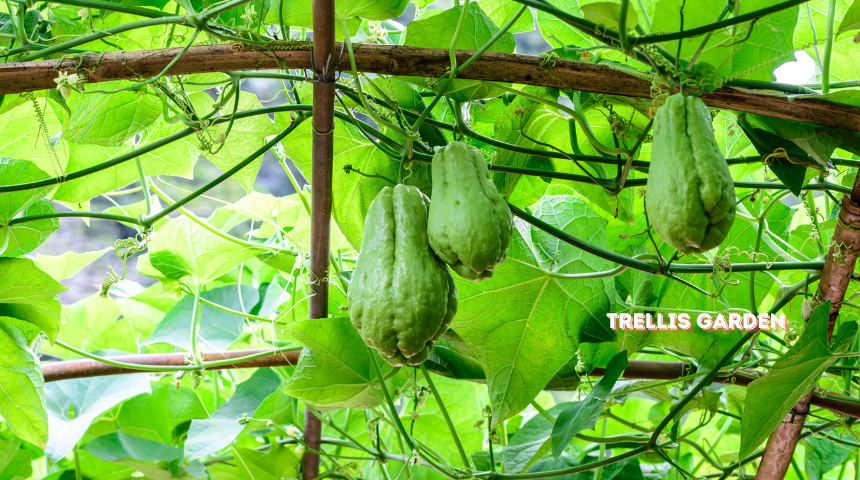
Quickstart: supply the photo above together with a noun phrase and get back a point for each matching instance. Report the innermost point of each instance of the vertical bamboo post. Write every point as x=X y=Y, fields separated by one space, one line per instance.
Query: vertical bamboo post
x=832 y=286
x=321 y=195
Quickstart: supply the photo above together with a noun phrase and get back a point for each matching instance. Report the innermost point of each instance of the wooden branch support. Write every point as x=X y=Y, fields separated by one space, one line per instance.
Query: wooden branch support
x=412 y=61
x=638 y=369
x=832 y=286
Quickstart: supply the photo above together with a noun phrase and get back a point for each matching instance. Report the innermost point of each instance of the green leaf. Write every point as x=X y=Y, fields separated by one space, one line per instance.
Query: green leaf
x=87 y=398
x=12 y=172
x=823 y=456
x=62 y=267
x=608 y=14
x=851 y=20
x=23 y=238
x=183 y=248
x=502 y=11
x=437 y=31
x=23 y=137
x=334 y=369
x=352 y=193
x=86 y=323
x=531 y=442
x=771 y=397
x=217 y=329
x=298 y=14
x=110 y=120
x=548 y=314
x=759 y=52
x=156 y=416
x=276 y=462
x=19 y=467
x=210 y=435
x=583 y=415
x=157 y=461
x=29 y=294
x=246 y=136
x=22 y=396
x=289 y=214
x=176 y=158
x=557 y=32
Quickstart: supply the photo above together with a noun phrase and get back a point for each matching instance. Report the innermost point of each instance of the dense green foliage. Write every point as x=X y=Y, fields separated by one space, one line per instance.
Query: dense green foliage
x=527 y=380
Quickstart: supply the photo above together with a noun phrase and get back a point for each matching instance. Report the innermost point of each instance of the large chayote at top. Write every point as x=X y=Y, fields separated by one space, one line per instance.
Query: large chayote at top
x=690 y=199
x=401 y=297
x=470 y=224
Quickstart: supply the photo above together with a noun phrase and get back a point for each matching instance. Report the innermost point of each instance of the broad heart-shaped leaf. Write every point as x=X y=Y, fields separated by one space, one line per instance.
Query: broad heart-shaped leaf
x=23 y=238
x=18 y=463
x=762 y=50
x=89 y=398
x=352 y=193
x=207 y=436
x=110 y=120
x=29 y=294
x=218 y=329
x=246 y=136
x=86 y=322
x=64 y=266
x=525 y=339
x=771 y=397
x=176 y=158
x=12 y=172
x=157 y=461
x=22 y=395
x=811 y=139
x=334 y=369
x=583 y=415
x=436 y=30
x=851 y=20
x=182 y=248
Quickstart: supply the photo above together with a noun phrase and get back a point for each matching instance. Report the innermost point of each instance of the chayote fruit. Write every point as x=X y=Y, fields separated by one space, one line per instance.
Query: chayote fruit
x=401 y=297
x=470 y=224
x=690 y=199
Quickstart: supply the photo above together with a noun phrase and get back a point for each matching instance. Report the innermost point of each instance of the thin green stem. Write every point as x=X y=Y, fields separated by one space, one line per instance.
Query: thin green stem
x=101 y=216
x=174 y=368
x=465 y=458
x=195 y=324
x=828 y=46
x=178 y=20
x=229 y=173
x=144 y=183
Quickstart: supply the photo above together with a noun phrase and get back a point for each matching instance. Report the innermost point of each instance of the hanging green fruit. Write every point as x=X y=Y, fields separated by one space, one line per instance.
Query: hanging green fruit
x=470 y=224
x=401 y=297
x=690 y=199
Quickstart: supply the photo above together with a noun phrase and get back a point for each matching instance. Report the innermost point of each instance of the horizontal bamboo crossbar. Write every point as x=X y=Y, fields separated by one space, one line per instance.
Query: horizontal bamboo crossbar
x=411 y=61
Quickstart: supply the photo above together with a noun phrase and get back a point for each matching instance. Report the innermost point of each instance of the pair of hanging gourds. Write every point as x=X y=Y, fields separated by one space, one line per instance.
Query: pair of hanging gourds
x=402 y=296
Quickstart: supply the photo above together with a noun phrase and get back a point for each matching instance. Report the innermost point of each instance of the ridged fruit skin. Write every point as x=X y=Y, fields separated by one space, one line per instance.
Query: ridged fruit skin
x=470 y=224
x=690 y=198
x=401 y=297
